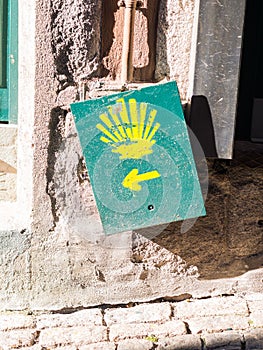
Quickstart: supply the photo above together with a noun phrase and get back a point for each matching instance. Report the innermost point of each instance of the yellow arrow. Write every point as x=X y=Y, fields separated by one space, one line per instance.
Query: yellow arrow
x=132 y=180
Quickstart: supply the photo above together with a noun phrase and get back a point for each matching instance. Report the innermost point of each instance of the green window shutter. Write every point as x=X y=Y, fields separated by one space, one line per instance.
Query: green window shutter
x=8 y=60
x=3 y=42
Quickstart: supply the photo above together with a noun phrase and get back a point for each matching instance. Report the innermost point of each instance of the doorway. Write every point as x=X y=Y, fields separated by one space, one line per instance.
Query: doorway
x=250 y=99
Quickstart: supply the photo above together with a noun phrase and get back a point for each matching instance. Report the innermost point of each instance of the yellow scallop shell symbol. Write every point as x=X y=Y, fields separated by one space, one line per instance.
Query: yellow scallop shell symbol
x=129 y=129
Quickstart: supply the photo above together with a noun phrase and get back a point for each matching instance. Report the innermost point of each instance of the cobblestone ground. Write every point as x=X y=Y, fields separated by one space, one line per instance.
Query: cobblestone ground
x=223 y=322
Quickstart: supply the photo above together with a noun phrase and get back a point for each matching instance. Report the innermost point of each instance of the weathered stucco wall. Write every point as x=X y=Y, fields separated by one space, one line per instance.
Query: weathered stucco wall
x=72 y=263
x=174 y=42
x=75 y=31
x=63 y=260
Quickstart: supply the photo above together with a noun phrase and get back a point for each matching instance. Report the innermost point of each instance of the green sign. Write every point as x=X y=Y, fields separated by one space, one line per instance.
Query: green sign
x=139 y=158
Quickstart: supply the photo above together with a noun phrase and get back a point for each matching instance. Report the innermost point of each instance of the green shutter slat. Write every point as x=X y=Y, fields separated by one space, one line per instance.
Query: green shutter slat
x=13 y=61
x=3 y=61
x=8 y=60
x=3 y=42
x=3 y=105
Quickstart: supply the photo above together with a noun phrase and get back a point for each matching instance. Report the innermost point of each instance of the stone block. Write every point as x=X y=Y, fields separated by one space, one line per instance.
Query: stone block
x=225 y=341
x=218 y=306
x=256 y=319
x=98 y=346
x=17 y=338
x=8 y=163
x=8 y=135
x=141 y=330
x=139 y=314
x=215 y=324
x=76 y=30
x=71 y=347
x=80 y=318
x=7 y=187
x=72 y=336
x=183 y=342
x=254 y=339
x=67 y=96
x=174 y=35
x=135 y=344
x=16 y=321
x=255 y=302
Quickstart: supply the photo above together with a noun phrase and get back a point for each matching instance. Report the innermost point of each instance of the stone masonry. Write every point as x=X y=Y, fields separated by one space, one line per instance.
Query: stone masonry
x=8 y=164
x=232 y=322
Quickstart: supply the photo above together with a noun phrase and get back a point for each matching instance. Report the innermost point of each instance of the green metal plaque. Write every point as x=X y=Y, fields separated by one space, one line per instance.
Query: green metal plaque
x=139 y=158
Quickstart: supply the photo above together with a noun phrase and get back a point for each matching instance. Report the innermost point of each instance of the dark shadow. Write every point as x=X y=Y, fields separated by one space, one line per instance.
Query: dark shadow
x=60 y=49
x=57 y=120
x=109 y=7
x=257 y=121
x=228 y=241
x=251 y=72
x=199 y=119
x=162 y=68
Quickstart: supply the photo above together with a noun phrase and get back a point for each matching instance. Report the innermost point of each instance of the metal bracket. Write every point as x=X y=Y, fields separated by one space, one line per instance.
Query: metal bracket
x=122 y=3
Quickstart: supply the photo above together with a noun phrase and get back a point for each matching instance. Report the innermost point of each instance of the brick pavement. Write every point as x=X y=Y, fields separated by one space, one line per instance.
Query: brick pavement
x=223 y=322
